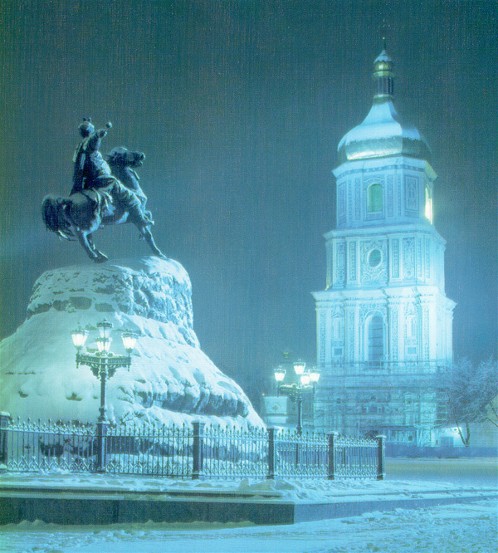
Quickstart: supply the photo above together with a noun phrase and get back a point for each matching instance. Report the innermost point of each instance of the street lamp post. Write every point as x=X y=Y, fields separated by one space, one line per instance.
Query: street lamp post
x=103 y=364
x=306 y=383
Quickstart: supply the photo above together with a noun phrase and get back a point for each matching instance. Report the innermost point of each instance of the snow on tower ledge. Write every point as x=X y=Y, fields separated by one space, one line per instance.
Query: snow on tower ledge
x=171 y=380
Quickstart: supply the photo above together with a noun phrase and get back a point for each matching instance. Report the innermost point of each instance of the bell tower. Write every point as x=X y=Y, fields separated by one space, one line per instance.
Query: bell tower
x=384 y=323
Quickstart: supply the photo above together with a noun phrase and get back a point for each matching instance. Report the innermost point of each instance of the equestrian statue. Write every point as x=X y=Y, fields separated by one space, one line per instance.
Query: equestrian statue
x=103 y=193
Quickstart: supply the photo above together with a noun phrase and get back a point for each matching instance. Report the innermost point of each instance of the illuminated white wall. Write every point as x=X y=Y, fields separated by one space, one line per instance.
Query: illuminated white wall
x=384 y=323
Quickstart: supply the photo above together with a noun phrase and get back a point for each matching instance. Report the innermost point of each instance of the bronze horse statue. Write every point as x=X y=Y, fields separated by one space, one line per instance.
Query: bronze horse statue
x=78 y=216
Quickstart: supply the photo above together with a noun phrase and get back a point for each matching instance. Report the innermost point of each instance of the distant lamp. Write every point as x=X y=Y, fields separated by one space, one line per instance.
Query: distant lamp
x=314 y=375
x=301 y=383
x=299 y=367
x=279 y=374
x=305 y=379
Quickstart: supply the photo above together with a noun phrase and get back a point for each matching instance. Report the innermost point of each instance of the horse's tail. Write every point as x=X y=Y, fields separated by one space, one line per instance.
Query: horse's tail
x=51 y=214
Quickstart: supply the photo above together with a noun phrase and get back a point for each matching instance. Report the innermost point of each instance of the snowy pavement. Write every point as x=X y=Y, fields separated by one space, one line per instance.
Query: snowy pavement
x=268 y=491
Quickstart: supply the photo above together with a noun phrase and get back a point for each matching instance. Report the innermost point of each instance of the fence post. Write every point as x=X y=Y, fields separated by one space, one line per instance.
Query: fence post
x=331 y=455
x=4 y=423
x=271 y=454
x=381 y=455
x=101 y=445
x=197 y=449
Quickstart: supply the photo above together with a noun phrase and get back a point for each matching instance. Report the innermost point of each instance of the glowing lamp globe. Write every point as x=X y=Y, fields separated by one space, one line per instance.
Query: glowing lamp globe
x=103 y=344
x=279 y=374
x=299 y=367
x=314 y=375
x=129 y=341
x=305 y=379
x=79 y=337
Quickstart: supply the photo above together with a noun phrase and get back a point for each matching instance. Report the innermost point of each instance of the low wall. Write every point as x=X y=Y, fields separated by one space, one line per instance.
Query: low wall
x=400 y=450
x=104 y=508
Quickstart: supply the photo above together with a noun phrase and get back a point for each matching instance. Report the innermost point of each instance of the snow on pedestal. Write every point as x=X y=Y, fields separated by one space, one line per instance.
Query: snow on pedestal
x=171 y=380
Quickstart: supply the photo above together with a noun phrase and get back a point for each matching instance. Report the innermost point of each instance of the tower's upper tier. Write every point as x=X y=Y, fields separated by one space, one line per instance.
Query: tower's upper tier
x=382 y=133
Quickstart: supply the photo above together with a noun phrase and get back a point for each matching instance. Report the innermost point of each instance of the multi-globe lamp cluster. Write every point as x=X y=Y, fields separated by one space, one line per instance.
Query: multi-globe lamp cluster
x=306 y=382
x=103 y=364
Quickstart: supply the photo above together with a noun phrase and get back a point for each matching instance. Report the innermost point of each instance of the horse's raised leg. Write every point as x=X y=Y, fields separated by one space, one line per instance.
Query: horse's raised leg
x=92 y=252
x=147 y=235
x=102 y=256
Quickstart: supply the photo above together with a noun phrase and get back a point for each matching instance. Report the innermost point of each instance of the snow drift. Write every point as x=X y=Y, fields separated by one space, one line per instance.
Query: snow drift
x=170 y=381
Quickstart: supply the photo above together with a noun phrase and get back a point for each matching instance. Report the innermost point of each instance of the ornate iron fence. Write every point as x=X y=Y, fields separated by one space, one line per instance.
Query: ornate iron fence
x=196 y=451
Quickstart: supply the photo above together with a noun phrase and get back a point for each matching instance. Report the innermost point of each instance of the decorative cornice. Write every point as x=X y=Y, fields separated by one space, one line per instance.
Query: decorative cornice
x=376 y=165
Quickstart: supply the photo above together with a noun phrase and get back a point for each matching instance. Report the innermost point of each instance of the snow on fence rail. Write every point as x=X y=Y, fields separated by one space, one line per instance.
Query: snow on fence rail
x=188 y=451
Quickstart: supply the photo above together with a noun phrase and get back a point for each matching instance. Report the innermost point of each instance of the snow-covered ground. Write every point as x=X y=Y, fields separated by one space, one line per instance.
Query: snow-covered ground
x=458 y=528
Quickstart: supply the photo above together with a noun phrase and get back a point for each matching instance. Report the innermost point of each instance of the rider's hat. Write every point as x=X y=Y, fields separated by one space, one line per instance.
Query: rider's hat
x=86 y=128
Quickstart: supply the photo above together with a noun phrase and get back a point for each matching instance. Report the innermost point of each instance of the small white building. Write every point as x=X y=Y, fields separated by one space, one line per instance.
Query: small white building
x=384 y=323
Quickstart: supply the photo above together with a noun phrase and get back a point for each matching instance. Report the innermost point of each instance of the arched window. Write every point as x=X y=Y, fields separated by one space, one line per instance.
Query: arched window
x=428 y=204
x=337 y=329
x=411 y=330
x=374 y=198
x=375 y=345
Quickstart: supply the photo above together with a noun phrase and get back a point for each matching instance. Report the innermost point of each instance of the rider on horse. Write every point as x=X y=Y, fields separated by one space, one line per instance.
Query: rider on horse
x=91 y=171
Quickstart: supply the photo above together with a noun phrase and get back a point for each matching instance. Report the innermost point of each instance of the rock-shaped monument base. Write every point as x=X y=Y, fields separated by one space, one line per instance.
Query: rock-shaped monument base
x=171 y=380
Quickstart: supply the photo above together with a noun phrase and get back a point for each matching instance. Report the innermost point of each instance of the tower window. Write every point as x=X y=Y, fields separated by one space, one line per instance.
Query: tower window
x=374 y=198
x=375 y=339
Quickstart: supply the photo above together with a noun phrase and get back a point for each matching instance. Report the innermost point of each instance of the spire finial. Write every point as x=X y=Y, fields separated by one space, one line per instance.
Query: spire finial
x=384 y=31
x=383 y=76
